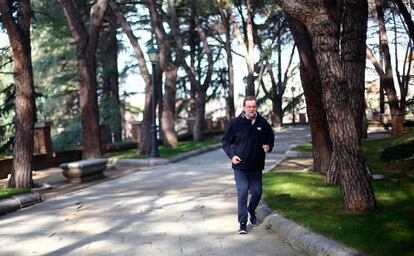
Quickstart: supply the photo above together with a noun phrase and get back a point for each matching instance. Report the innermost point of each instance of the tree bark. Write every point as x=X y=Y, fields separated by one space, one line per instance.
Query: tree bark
x=407 y=18
x=199 y=123
x=353 y=45
x=387 y=79
x=277 y=117
x=170 y=67
x=18 y=30
x=195 y=80
x=404 y=76
x=311 y=84
x=275 y=95
x=347 y=153
x=144 y=145
x=231 y=111
x=246 y=44
x=278 y=86
x=168 y=114
x=86 y=45
x=110 y=75
x=250 y=90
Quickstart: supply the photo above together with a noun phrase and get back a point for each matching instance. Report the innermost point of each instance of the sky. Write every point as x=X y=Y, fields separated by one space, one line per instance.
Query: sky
x=4 y=40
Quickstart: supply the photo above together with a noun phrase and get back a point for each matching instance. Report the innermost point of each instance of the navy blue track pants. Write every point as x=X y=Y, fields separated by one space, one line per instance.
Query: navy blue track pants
x=247 y=181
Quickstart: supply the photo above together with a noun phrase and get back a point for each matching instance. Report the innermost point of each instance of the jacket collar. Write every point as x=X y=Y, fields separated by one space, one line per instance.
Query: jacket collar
x=243 y=115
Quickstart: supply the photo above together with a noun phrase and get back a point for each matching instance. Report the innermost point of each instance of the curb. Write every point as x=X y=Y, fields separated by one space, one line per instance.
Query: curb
x=300 y=237
x=126 y=162
x=15 y=203
x=186 y=155
x=129 y=163
x=298 y=154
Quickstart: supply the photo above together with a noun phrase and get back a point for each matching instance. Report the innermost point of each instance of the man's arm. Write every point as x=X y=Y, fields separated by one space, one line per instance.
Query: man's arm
x=270 y=137
x=228 y=140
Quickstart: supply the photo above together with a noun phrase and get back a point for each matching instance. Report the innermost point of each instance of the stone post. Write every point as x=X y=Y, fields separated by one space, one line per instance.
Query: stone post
x=397 y=124
x=222 y=123
x=190 y=124
x=102 y=133
x=136 y=130
x=42 y=138
x=302 y=118
x=376 y=116
x=209 y=124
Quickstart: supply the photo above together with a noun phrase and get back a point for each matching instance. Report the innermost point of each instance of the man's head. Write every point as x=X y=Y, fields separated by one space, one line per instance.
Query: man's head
x=250 y=107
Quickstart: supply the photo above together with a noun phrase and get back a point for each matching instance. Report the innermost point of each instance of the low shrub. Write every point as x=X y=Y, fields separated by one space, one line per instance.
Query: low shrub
x=397 y=152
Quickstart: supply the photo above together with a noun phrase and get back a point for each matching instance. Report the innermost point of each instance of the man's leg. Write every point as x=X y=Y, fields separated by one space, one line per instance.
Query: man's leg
x=256 y=193
x=242 y=187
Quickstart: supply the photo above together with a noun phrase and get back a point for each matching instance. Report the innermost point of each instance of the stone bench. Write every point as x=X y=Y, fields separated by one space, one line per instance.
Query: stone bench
x=84 y=170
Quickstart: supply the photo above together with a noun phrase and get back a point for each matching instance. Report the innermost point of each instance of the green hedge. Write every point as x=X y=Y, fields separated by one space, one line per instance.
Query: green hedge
x=397 y=152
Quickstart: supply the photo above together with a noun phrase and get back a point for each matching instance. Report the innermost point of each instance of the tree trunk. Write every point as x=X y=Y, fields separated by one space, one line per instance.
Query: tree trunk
x=199 y=118
x=194 y=43
x=347 y=153
x=353 y=39
x=250 y=90
x=18 y=30
x=230 y=109
x=387 y=79
x=381 y=98
x=311 y=84
x=169 y=67
x=407 y=18
x=168 y=114
x=277 y=116
x=89 y=108
x=194 y=76
x=403 y=77
x=275 y=94
x=86 y=44
x=144 y=144
x=160 y=100
x=110 y=76
x=347 y=157
x=246 y=45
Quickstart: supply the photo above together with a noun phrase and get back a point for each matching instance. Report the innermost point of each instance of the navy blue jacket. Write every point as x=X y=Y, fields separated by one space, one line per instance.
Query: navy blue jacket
x=245 y=140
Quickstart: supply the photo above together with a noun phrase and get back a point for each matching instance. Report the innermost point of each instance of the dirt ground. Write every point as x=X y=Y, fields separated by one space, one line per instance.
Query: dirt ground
x=294 y=164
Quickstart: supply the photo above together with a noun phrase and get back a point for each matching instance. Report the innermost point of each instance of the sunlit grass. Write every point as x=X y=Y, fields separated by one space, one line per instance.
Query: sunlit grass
x=307 y=147
x=9 y=192
x=389 y=230
x=165 y=152
x=372 y=150
x=304 y=198
x=397 y=169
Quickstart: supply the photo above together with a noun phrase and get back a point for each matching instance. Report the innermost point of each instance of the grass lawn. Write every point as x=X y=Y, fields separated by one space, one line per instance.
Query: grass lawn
x=307 y=147
x=304 y=198
x=9 y=192
x=183 y=146
x=397 y=169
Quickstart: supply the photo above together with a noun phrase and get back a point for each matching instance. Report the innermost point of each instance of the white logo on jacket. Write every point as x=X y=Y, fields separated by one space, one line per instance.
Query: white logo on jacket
x=259 y=128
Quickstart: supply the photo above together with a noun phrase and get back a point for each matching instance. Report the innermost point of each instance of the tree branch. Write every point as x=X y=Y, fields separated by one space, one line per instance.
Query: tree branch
x=375 y=62
x=133 y=40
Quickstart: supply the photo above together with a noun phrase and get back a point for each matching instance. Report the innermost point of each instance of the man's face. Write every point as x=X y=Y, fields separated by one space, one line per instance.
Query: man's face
x=250 y=108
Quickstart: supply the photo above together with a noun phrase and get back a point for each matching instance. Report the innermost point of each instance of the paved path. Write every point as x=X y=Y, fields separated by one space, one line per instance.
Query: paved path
x=186 y=208
x=285 y=139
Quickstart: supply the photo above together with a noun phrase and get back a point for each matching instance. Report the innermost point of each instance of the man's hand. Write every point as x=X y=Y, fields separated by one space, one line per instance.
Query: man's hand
x=266 y=148
x=236 y=160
